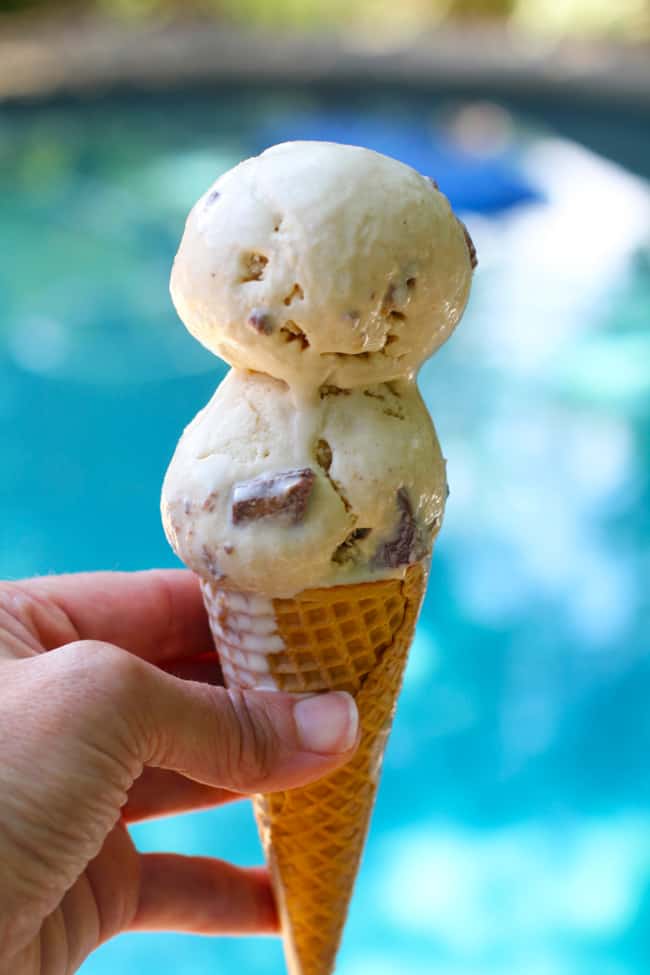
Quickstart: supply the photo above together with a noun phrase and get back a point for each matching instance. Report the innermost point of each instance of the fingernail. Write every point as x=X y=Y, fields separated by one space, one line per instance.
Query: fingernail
x=327 y=723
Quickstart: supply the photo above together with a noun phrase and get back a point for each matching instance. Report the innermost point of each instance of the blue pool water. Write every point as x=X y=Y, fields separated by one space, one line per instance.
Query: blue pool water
x=512 y=830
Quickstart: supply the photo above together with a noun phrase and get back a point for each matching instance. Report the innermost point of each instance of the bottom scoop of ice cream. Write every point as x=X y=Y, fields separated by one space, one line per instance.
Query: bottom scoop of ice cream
x=267 y=497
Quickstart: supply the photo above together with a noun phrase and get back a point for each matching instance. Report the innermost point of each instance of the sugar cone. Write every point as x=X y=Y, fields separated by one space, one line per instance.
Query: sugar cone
x=355 y=638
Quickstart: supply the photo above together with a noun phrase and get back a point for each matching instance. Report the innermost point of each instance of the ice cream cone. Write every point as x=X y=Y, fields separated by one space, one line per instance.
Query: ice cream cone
x=352 y=637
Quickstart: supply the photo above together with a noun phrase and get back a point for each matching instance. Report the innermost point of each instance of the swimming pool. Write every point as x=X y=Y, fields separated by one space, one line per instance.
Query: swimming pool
x=512 y=831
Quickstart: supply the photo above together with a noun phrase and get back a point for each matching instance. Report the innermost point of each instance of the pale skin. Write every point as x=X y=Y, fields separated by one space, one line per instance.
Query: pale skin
x=111 y=712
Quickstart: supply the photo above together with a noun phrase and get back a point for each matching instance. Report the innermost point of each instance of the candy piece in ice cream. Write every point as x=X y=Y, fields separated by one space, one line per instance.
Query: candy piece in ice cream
x=273 y=494
x=261 y=321
x=322 y=263
x=473 y=256
x=404 y=546
x=353 y=467
x=347 y=550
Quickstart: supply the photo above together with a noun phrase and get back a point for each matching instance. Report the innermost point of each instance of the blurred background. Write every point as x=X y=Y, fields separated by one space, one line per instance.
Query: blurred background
x=512 y=831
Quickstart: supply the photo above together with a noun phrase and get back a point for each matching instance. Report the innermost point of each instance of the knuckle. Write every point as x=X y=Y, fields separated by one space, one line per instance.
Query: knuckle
x=104 y=665
x=251 y=743
x=101 y=675
x=111 y=683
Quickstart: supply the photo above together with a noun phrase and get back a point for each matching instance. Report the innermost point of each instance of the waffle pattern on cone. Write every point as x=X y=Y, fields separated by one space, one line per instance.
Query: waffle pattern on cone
x=333 y=637
x=354 y=638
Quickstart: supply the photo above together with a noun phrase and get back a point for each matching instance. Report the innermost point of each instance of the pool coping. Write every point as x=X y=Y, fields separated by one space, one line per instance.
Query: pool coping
x=87 y=57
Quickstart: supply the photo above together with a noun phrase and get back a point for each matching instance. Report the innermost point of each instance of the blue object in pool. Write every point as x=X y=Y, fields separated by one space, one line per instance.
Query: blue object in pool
x=472 y=183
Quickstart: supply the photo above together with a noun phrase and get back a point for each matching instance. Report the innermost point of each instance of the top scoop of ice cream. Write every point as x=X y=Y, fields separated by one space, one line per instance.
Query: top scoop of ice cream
x=322 y=263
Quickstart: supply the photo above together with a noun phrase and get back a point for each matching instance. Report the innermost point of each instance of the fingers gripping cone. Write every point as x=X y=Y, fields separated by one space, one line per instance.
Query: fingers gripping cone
x=354 y=638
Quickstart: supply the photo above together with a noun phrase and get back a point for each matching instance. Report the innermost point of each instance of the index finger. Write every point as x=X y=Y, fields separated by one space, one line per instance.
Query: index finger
x=157 y=614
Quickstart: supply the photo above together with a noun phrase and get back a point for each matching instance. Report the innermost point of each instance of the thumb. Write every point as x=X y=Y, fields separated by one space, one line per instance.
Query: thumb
x=247 y=741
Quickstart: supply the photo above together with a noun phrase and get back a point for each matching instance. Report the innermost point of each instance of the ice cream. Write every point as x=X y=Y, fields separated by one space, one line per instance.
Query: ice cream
x=308 y=493
x=320 y=263
x=275 y=501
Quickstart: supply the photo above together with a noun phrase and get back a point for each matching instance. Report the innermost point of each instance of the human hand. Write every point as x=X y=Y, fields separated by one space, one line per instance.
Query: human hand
x=109 y=714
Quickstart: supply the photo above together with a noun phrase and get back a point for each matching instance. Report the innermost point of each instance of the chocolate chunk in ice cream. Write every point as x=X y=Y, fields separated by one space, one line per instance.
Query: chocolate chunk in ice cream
x=211 y=564
x=347 y=550
x=473 y=256
x=285 y=493
x=261 y=321
x=401 y=549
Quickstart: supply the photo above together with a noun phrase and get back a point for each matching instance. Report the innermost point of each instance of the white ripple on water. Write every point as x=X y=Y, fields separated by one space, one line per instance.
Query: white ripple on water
x=474 y=893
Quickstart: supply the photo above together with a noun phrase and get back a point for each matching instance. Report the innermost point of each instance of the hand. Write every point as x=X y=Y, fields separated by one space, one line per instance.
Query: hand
x=109 y=714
